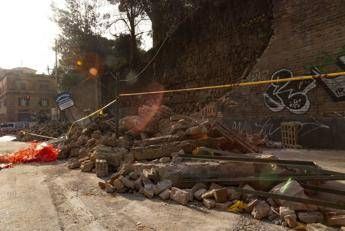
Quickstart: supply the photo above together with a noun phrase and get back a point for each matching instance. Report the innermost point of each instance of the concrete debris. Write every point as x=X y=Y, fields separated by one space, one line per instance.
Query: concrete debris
x=198 y=194
x=180 y=196
x=149 y=157
x=162 y=186
x=261 y=210
x=209 y=203
x=310 y=217
x=293 y=188
x=165 y=195
x=220 y=195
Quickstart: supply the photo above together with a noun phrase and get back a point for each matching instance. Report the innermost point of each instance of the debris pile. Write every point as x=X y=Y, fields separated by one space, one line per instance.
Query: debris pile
x=50 y=129
x=182 y=159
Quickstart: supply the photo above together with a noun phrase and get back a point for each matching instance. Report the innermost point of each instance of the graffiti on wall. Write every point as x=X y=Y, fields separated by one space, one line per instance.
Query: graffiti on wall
x=292 y=95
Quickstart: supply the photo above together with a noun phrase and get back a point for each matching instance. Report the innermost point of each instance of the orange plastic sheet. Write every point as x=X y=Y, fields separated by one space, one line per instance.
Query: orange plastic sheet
x=36 y=152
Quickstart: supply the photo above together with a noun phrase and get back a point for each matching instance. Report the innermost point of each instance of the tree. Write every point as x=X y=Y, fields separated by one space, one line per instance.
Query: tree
x=131 y=15
x=81 y=47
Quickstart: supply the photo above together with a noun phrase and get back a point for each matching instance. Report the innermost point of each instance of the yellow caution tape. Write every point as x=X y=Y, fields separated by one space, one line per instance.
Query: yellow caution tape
x=243 y=84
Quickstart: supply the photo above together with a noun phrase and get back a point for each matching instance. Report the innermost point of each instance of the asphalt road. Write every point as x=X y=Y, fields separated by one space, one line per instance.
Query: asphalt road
x=51 y=197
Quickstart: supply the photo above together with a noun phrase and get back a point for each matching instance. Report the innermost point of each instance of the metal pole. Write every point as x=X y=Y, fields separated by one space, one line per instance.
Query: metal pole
x=117 y=105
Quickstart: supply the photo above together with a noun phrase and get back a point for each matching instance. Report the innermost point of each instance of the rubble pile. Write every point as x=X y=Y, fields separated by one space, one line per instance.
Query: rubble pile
x=189 y=161
x=50 y=129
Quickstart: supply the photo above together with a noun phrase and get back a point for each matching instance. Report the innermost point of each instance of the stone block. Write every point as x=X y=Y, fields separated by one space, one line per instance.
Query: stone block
x=180 y=196
x=198 y=194
x=220 y=195
x=165 y=195
x=261 y=210
x=118 y=185
x=310 y=217
x=162 y=186
x=127 y=182
x=209 y=203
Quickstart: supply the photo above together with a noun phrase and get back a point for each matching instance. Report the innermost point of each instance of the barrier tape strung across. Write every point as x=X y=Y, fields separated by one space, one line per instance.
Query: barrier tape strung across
x=243 y=84
x=92 y=114
x=37 y=135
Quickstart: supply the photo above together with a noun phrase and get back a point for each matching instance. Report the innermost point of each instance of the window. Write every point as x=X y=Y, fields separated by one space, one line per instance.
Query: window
x=24 y=101
x=44 y=102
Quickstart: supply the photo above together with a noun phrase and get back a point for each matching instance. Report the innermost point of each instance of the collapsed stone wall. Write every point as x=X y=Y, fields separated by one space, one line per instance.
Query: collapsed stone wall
x=214 y=46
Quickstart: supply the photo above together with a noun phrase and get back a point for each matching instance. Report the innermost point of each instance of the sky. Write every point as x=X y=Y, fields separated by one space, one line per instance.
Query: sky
x=27 y=34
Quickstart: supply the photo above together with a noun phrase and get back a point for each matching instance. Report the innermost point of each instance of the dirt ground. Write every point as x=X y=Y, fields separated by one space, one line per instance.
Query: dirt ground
x=51 y=197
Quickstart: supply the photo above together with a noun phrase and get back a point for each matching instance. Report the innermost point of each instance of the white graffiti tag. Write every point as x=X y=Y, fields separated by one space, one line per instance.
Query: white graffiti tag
x=291 y=95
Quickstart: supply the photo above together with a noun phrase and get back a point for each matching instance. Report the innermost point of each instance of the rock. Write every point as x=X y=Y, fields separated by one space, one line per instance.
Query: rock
x=118 y=185
x=96 y=134
x=148 y=190
x=74 y=152
x=261 y=210
x=318 y=227
x=273 y=215
x=294 y=189
x=209 y=203
x=87 y=166
x=165 y=195
x=246 y=196
x=198 y=186
x=221 y=195
x=162 y=186
x=310 y=217
x=251 y=204
x=342 y=228
x=198 y=194
x=164 y=160
x=336 y=220
x=180 y=196
x=191 y=196
x=127 y=182
x=284 y=211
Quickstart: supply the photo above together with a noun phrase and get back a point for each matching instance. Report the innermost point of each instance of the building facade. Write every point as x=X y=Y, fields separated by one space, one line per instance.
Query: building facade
x=26 y=96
